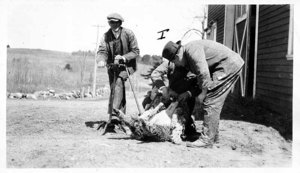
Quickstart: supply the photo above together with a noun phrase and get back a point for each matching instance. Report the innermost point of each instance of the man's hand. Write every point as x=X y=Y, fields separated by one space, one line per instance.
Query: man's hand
x=172 y=93
x=120 y=59
x=202 y=95
x=184 y=96
x=101 y=64
x=164 y=91
x=154 y=91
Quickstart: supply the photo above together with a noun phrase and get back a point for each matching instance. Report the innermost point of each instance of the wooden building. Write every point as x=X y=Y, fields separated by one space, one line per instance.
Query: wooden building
x=263 y=35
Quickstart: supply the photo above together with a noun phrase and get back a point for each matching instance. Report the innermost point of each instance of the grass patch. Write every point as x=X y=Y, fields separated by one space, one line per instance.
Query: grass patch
x=30 y=70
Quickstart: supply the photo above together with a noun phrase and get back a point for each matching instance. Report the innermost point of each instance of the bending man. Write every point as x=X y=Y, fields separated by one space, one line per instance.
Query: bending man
x=217 y=69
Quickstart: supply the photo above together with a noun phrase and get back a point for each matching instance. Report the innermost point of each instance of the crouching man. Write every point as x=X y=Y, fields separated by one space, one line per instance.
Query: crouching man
x=182 y=85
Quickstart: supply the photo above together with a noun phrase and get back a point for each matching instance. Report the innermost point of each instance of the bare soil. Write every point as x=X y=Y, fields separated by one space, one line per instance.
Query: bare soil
x=53 y=134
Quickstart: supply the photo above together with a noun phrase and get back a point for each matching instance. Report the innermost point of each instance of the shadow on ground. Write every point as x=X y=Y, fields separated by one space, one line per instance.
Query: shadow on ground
x=243 y=109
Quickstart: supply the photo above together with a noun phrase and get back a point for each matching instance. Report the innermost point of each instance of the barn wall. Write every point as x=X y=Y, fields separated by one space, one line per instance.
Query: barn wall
x=217 y=13
x=274 y=72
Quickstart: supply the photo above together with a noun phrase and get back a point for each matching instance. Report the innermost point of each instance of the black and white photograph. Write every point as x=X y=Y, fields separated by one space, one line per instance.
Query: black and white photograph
x=148 y=84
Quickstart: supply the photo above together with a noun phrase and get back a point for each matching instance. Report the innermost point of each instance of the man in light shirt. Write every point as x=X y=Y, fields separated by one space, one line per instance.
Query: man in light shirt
x=118 y=45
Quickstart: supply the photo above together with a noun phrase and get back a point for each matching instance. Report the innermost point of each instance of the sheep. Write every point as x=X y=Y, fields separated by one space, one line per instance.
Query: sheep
x=156 y=124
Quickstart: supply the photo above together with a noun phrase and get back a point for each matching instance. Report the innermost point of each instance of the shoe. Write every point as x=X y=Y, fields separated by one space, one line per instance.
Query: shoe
x=199 y=143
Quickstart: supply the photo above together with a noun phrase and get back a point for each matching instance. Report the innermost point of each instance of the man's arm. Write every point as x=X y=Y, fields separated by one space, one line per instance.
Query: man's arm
x=159 y=71
x=198 y=64
x=194 y=91
x=132 y=46
x=102 y=51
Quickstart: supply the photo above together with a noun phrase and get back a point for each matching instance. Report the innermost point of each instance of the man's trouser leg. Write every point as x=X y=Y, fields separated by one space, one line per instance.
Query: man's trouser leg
x=118 y=100
x=213 y=105
x=189 y=125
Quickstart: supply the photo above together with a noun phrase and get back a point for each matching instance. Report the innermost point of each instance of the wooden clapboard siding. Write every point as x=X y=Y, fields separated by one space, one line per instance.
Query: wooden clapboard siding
x=273 y=68
x=272 y=31
x=278 y=48
x=271 y=39
x=272 y=102
x=267 y=9
x=273 y=55
x=271 y=14
x=274 y=84
x=275 y=88
x=217 y=13
x=276 y=75
x=275 y=42
x=276 y=61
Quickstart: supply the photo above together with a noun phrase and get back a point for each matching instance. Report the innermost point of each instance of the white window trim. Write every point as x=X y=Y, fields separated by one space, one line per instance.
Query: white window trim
x=243 y=17
x=213 y=29
x=290 y=52
x=214 y=26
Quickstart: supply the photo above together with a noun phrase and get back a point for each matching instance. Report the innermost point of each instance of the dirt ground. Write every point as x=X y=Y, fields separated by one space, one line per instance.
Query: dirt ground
x=53 y=134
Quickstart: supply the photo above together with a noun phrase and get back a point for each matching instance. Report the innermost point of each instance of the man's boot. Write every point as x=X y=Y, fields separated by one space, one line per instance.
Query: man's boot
x=201 y=142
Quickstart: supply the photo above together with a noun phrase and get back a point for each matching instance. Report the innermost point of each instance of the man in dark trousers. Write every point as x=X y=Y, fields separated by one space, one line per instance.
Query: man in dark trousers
x=118 y=45
x=182 y=84
x=217 y=69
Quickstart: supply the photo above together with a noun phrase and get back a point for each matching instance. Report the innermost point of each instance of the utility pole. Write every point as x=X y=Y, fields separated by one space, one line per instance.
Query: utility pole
x=202 y=20
x=95 y=63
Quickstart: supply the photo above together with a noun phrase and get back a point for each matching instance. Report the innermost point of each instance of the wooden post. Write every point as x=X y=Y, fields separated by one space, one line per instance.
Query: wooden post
x=89 y=90
x=255 y=50
x=95 y=65
x=82 y=92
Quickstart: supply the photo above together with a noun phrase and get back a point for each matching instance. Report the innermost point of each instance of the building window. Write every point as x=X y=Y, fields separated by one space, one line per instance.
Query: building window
x=240 y=13
x=212 y=31
x=290 y=51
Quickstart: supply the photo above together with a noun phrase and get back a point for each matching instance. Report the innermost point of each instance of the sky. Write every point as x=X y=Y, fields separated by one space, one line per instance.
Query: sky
x=67 y=25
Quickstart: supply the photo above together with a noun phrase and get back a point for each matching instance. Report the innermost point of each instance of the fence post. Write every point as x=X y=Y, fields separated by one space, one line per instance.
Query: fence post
x=82 y=92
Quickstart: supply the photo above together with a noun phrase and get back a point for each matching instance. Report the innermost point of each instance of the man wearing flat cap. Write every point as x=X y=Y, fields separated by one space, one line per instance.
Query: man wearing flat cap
x=217 y=69
x=118 y=45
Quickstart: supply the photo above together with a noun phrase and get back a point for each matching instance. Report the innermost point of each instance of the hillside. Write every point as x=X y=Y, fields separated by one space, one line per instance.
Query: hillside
x=29 y=70
x=36 y=52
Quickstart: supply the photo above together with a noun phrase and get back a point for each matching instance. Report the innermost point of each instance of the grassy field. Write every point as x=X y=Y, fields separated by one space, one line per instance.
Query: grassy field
x=30 y=70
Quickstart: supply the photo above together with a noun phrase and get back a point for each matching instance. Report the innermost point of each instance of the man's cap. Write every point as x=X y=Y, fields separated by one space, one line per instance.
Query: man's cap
x=115 y=17
x=170 y=50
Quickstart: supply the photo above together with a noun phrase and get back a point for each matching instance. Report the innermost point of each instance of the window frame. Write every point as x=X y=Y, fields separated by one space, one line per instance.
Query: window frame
x=290 y=50
x=212 y=28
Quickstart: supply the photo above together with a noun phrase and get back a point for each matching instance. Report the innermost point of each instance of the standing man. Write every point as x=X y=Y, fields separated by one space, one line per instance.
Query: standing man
x=217 y=69
x=118 y=45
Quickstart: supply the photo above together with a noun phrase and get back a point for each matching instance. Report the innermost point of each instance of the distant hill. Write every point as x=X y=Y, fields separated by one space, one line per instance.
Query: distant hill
x=30 y=70
x=36 y=52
